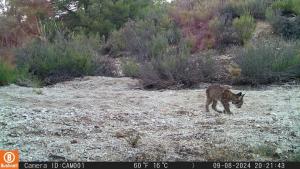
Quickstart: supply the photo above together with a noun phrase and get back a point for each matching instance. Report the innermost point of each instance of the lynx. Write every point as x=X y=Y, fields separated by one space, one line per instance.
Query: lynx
x=215 y=93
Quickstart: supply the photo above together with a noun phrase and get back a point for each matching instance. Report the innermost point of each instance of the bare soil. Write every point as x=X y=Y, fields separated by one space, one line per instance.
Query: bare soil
x=111 y=119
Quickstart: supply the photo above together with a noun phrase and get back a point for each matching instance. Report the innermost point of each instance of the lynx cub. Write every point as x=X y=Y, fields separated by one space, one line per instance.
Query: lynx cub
x=223 y=94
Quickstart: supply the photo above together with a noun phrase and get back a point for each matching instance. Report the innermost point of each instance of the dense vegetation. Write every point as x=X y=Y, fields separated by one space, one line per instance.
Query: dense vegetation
x=164 y=44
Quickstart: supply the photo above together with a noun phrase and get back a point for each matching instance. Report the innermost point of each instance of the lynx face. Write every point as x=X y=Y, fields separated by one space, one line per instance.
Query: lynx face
x=237 y=100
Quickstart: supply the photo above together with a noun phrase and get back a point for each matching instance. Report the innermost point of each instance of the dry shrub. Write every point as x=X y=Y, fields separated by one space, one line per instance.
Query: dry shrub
x=226 y=153
x=133 y=140
x=104 y=66
x=269 y=60
x=151 y=153
x=193 y=17
x=285 y=18
x=176 y=70
x=130 y=68
x=245 y=26
x=144 y=39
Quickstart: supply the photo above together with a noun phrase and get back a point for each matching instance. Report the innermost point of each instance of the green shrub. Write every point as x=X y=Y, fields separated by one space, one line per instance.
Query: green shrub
x=158 y=45
x=130 y=68
x=268 y=61
x=134 y=38
x=61 y=60
x=144 y=39
x=287 y=6
x=24 y=78
x=51 y=62
x=245 y=26
x=235 y=23
x=231 y=11
x=288 y=27
x=257 y=8
x=176 y=68
x=225 y=34
x=7 y=74
x=285 y=18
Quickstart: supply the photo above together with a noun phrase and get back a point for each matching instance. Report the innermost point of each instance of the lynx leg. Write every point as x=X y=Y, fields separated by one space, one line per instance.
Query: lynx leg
x=208 y=102
x=226 y=107
x=214 y=106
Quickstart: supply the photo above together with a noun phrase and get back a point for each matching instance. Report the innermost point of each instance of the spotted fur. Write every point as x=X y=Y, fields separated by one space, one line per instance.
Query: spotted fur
x=215 y=93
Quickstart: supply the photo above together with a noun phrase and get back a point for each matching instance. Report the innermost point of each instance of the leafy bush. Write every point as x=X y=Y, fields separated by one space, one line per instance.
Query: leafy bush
x=99 y=17
x=131 y=39
x=104 y=66
x=286 y=27
x=231 y=10
x=244 y=26
x=158 y=53
x=176 y=68
x=287 y=6
x=61 y=60
x=285 y=18
x=269 y=60
x=233 y=25
x=257 y=8
x=7 y=74
x=144 y=39
x=226 y=35
x=21 y=77
x=130 y=68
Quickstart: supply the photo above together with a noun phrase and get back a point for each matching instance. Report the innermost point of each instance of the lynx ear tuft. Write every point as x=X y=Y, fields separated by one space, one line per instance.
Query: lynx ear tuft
x=239 y=94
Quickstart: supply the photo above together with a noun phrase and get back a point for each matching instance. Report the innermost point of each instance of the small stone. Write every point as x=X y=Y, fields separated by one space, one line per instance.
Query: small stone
x=278 y=150
x=36 y=110
x=74 y=141
x=3 y=124
x=13 y=134
x=293 y=134
x=277 y=153
x=120 y=134
x=57 y=134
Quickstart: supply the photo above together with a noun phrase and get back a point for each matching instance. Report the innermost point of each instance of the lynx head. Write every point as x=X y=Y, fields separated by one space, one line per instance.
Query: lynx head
x=237 y=100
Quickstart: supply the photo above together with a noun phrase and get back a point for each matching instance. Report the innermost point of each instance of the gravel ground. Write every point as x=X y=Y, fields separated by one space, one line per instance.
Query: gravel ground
x=111 y=119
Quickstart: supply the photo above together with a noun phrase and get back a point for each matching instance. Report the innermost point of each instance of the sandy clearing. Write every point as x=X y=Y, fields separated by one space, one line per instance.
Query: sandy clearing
x=98 y=119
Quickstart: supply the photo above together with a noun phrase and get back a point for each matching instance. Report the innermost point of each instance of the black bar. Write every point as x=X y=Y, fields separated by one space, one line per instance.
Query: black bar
x=160 y=165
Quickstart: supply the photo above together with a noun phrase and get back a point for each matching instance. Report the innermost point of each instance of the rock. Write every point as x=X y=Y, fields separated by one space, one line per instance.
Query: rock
x=293 y=134
x=121 y=134
x=14 y=134
x=57 y=157
x=3 y=124
x=74 y=141
x=278 y=153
